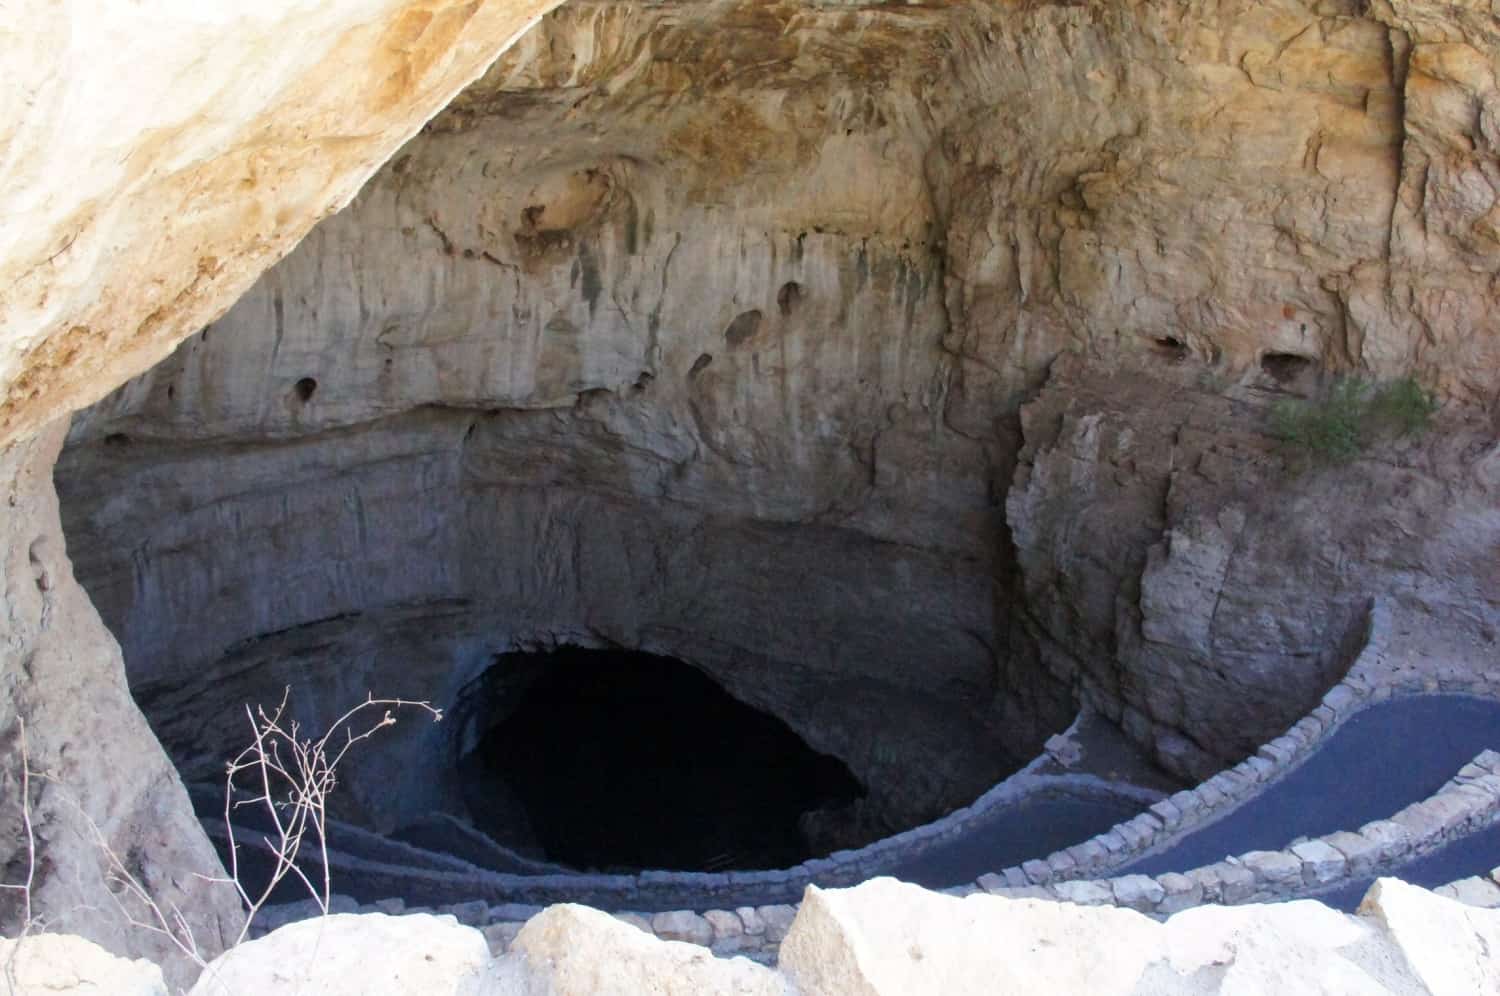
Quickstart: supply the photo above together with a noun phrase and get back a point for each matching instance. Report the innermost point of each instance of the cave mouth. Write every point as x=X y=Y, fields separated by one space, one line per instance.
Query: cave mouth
x=617 y=760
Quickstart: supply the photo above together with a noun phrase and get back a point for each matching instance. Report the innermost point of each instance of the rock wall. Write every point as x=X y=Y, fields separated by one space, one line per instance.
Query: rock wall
x=694 y=249
x=142 y=196
x=105 y=817
x=1202 y=582
x=405 y=560
x=180 y=188
x=1274 y=189
x=816 y=256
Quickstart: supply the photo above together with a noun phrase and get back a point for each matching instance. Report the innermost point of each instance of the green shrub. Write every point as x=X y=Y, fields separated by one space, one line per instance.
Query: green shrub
x=1403 y=405
x=1340 y=425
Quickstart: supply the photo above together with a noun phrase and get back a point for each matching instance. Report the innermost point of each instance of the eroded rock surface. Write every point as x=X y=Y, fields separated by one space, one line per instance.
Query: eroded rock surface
x=105 y=802
x=65 y=963
x=137 y=211
x=885 y=937
x=1204 y=583
x=776 y=279
x=372 y=955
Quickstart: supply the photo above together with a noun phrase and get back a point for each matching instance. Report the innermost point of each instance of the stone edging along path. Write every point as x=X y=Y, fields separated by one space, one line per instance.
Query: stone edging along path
x=1470 y=800
x=1186 y=811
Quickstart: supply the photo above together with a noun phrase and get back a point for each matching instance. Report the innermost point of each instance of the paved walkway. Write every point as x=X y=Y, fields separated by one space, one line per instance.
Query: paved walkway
x=1383 y=759
x=1475 y=854
x=1015 y=834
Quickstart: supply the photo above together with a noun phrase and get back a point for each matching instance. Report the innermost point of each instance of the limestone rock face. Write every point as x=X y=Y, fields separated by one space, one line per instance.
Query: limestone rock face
x=105 y=801
x=52 y=963
x=370 y=955
x=576 y=951
x=744 y=299
x=1161 y=528
x=142 y=196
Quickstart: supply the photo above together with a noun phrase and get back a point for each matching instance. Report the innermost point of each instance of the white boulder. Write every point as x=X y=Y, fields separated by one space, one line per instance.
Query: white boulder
x=887 y=938
x=348 y=955
x=46 y=964
x=1453 y=949
x=576 y=951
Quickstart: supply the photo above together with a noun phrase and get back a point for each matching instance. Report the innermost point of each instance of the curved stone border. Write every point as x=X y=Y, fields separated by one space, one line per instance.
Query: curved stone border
x=1191 y=809
x=1471 y=799
x=383 y=873
x=1467 y=802
x=1163 y=822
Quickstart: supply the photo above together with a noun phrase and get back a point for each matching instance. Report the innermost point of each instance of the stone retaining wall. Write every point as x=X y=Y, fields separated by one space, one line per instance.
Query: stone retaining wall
x=1469 y=801
x=1191 y=809
x=1378 y=673
x=698 y=890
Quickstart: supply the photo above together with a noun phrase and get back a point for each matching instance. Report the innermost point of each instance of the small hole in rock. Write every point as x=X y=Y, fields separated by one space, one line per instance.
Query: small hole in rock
x=789 y=298
x=743 y=328
x=305 y=388
x=1285 y=367
x=1170 y=348
x=701 y=364
x=117 y=439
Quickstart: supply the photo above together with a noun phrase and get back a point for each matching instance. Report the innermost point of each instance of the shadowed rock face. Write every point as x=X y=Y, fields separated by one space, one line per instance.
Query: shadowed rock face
x=608 y=760
x=703 y=328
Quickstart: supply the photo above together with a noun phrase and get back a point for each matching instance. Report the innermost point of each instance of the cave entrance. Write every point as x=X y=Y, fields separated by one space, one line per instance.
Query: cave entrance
x=621 y=760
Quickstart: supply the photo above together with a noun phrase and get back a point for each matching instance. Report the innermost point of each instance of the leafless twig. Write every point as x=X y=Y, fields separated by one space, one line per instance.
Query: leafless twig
x=291 y=776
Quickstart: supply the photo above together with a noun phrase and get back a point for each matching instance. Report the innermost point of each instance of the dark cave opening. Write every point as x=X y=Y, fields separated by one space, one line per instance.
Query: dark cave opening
x=622 y=760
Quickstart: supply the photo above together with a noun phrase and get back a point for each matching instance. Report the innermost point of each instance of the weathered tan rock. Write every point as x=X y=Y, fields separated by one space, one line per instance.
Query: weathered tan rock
x=369 y=955
x=1451 y=948
x=184 y=179
x=43 y=964
x=575 y=951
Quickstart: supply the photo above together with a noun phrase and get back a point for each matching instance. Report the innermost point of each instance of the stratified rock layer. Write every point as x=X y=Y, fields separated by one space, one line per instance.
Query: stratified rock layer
x=142 y=196
x=783 y=265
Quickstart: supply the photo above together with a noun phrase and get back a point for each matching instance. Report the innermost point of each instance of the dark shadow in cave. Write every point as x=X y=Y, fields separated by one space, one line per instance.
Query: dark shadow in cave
x=626 y=760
